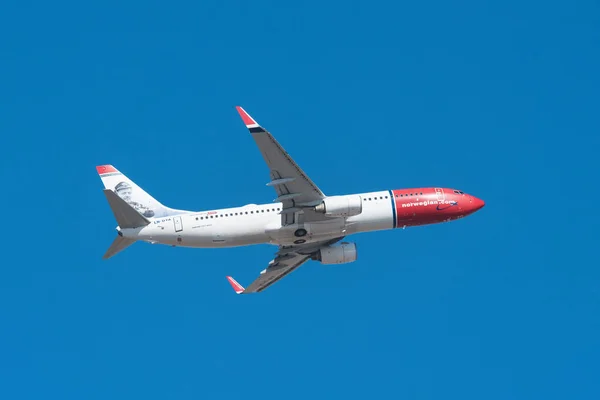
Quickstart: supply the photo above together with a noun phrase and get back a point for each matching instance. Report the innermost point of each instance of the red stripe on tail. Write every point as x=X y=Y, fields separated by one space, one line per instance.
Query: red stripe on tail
x=105 y=169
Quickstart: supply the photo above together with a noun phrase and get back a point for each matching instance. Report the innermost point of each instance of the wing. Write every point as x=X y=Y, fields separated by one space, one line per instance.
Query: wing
x=270 y=275
x=287 y=259
x=295 y=190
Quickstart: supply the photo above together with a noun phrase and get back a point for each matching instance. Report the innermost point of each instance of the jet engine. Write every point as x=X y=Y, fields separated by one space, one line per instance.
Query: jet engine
x=340 y=206
x=337 y=254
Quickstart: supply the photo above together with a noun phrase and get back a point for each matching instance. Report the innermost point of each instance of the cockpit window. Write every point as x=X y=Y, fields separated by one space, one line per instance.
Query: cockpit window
x=457 y=192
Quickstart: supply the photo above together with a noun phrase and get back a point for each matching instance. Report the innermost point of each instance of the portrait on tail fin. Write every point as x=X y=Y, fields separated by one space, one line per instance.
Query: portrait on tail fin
x=124 y=191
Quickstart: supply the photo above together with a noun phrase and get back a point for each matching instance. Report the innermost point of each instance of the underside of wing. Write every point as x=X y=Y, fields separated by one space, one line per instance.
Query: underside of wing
x=295 y=190
x=287 y=259
x=271 y=274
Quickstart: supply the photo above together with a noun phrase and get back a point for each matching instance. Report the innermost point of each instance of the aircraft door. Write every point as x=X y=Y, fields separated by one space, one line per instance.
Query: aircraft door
x=178 y=224
x=440 y=194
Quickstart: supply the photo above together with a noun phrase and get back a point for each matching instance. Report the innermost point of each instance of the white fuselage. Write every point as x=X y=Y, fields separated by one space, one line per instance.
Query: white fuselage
x=256 y=224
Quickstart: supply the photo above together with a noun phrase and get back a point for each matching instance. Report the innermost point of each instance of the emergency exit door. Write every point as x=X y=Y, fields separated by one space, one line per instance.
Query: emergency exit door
x=178 y=224
x=440 y=194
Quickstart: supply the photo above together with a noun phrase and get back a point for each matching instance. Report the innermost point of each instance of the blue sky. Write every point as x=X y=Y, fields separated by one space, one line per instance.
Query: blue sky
x=499 y=99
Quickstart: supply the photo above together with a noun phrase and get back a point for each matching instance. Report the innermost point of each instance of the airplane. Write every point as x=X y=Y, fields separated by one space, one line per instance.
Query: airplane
x=303 y=222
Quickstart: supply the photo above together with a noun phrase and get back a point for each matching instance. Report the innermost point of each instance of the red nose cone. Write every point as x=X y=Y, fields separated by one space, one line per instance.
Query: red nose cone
x=478 y=204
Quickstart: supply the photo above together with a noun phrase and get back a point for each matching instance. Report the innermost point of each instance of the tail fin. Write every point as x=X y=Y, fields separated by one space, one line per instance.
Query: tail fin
x=119 y=244
x=132 y=194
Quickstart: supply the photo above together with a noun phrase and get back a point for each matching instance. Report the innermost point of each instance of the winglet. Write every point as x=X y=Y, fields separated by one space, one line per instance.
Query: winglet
x=236 y=286
x=248 y=120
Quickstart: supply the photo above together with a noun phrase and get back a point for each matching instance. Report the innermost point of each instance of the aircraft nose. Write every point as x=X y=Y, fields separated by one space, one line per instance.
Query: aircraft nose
x=477 y=203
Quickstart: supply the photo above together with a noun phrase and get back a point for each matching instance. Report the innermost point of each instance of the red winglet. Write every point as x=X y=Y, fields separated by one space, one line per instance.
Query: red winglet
x=105 y=169
x=236 y=286
x=248 y=121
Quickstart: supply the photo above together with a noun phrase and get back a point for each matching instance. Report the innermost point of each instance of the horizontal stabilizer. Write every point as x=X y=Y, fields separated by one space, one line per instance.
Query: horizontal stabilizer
x=126 y=215
x=119 y=244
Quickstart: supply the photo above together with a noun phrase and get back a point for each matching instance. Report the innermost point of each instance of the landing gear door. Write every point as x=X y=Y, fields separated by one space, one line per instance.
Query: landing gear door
x=440 y=194
x=178 y=224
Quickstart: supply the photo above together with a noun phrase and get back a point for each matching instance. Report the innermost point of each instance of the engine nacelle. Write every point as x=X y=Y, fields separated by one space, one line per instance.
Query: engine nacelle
x=340 y=206
x=337 y=253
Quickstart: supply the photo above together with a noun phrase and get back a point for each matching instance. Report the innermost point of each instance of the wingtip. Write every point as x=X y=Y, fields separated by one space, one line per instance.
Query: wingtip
x=248 y=120
x=235 y=285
